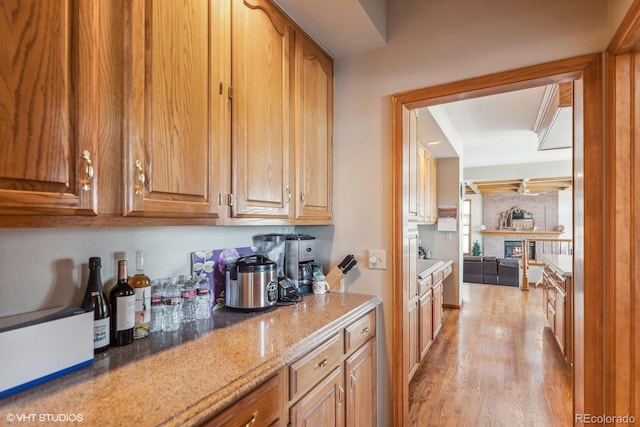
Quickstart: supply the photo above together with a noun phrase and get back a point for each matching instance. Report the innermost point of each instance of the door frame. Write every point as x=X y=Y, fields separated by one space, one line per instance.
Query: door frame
x=588 y=200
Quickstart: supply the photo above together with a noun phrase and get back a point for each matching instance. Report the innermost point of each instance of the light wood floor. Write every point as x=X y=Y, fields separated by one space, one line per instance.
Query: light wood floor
x=495 y=363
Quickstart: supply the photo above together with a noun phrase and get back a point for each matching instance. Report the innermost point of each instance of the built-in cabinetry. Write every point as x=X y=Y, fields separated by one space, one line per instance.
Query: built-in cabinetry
x=205 y=113
x=260 y=407
x=421 y=176
x=425 y=311
x=427 y=185
x=333 y=384
x=172 y=109
x=558 y=300
x=48 y=119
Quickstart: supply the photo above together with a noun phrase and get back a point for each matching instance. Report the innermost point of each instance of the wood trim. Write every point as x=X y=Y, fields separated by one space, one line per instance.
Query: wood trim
x=588 y=67
x=622 y=323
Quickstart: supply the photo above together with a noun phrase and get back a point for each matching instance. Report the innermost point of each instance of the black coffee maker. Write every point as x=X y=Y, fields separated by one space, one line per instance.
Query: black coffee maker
x=299 y=260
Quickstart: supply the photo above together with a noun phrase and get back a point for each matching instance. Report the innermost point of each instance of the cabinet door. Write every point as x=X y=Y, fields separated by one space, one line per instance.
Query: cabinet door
x=432 y=203
x=313 y=115
x=361 y=383
x=426 y=322
x=172 y=108
x=422 y=187
x=560 y=309
x=324 y=405
x=260 y=115
x=48 y=119
x=414 y=339
x=437 y=309
x=412 y=166
x=412 y=265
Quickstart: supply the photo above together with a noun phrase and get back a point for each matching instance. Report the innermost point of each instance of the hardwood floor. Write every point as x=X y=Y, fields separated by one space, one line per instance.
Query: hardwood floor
x=495 y=363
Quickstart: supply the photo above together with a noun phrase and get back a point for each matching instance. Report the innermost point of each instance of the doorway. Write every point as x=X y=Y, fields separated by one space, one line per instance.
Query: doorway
x=588 y=196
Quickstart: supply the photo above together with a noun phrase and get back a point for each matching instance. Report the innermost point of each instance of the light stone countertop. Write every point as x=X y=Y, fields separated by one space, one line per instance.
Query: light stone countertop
x=186 y=377
x=561 y=264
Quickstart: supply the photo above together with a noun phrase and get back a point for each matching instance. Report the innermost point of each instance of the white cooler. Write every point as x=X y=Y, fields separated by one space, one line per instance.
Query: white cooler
x=42 y=345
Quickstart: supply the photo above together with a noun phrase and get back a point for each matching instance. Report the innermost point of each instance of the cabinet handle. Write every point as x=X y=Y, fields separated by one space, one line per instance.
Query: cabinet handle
x=353 y=381
x=340 y=394
x=88 y=171
x=322 y=364
x=253 y=419
x=365 y=330
x=141 y=178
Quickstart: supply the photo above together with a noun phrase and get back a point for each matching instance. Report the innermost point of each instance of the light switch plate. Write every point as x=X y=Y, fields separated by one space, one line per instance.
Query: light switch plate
x=377 y=259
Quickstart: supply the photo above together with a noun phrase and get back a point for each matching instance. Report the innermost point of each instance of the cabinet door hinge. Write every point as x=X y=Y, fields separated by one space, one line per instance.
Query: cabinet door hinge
x=230 y=92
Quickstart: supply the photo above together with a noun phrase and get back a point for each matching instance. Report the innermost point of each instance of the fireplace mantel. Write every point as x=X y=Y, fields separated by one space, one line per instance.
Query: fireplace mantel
x=526 y=232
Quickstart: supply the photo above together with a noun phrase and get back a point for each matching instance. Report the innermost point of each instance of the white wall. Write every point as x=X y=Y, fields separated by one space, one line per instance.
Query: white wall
x=430 y=42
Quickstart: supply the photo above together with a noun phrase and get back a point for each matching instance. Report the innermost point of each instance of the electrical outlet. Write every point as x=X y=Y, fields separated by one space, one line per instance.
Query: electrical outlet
x=377 y=259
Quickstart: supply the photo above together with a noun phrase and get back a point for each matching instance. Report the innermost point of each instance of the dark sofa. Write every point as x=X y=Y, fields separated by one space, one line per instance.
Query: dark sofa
x=472 y=269
x=491 y=270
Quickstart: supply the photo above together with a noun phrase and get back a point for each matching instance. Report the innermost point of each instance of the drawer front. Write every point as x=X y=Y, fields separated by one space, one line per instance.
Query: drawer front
x=437 y=276
x=315 y=365
x=261 y=407
x=447 y=271
x=424 y=285
x=359 y=332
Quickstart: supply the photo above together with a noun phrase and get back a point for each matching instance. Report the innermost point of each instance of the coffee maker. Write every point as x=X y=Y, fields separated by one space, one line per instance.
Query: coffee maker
x=299 y=260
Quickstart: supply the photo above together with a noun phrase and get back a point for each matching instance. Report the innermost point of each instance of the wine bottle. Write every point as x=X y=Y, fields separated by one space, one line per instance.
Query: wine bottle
x=142 y=287
x=123 y=305
x=96 y=301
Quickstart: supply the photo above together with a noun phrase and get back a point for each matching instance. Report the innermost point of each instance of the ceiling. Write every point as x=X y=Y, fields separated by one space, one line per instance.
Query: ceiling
x=491 y=131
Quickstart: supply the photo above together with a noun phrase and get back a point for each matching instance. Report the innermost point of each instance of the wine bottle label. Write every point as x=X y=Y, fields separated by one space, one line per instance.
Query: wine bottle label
x=143 y=305
x=126 y=309
x=101 y=335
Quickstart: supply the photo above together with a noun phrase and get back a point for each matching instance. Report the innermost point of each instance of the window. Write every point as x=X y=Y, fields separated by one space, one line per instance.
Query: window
x=466 y=227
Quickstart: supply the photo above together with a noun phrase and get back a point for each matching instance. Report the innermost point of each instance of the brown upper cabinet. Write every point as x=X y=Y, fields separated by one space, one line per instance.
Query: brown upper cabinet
x=47 y=112
x=172 y=108
x=313 y=124
x=144 y=112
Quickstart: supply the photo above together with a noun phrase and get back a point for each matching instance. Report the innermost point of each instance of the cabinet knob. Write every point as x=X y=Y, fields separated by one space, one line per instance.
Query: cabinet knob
x=141 y=178
x=88 y=171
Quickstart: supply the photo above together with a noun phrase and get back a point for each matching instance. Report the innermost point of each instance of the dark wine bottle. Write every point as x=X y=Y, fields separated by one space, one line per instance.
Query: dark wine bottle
x=96 y=301
x=123 y=307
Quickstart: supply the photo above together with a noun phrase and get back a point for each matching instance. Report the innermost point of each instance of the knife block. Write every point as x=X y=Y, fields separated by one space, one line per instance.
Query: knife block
x=335 y=279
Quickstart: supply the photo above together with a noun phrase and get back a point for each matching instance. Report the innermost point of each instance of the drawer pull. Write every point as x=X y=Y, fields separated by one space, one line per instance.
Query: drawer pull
x=253 y=420
x=365 y=330
x=322 y=364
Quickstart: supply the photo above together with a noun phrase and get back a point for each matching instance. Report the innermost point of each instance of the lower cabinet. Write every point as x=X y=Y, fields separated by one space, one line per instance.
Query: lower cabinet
x=426 y=322
x=334 y=384
x=331 y=388
x=414 y=330
x=261 y=407
x=322 y=406
x=361 y=380
x=437 y=309
x=557 y=300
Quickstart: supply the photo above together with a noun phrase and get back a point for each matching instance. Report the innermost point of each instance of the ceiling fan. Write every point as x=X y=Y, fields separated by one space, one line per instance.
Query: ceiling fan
x=524 y=190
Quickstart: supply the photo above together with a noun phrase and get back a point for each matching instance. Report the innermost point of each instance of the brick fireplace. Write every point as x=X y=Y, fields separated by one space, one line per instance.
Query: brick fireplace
x=543 y=208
